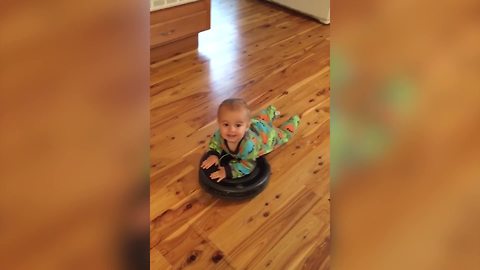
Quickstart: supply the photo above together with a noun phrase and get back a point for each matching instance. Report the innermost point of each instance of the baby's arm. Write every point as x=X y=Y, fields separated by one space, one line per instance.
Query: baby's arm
x=214 y=146
x=214 y=152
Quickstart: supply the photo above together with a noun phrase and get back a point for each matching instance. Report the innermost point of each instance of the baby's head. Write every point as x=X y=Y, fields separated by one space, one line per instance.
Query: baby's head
x=234 y=119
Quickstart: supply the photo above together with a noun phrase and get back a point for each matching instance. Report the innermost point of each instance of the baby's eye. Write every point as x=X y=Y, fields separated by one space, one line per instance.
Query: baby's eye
x=238 y=125
x=225 y=125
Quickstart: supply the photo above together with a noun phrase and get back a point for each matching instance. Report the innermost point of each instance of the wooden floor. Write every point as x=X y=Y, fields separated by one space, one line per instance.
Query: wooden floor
x=266 y=55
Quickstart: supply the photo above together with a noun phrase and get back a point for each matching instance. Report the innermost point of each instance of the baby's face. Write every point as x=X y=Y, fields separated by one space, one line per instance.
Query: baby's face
x=233 y=124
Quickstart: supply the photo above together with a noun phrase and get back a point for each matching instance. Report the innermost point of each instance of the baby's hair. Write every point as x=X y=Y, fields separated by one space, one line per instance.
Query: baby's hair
x=234 y=104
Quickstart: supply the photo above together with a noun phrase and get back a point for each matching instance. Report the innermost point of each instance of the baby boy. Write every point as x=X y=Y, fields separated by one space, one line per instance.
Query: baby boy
x=242 y=139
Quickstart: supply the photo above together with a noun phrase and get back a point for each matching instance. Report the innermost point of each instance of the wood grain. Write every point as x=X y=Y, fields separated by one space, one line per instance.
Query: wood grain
x=174 y=48
x=266 y=55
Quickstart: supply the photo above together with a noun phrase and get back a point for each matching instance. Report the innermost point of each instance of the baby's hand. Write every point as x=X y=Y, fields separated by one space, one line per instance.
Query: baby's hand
x=220 y=174
x=207 y=163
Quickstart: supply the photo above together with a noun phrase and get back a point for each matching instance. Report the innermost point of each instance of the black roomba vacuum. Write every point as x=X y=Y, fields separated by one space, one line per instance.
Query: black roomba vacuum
x=242 y=188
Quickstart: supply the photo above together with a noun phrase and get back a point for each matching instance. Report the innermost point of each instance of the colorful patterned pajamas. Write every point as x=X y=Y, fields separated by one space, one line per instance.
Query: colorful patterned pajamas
x=260 y=139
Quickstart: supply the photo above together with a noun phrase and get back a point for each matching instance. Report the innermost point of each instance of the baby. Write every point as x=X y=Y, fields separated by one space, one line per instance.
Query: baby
x=240 y=140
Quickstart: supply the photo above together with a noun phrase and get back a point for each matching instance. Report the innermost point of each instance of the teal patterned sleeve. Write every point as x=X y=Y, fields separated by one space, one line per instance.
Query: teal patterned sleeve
x=215 y=145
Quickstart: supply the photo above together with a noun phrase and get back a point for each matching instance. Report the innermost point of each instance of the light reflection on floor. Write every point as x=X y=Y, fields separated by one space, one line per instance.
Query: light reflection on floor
x=221 y=45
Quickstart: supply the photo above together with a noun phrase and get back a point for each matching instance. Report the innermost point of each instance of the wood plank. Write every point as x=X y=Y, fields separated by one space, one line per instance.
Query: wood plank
x=319 y=257
x=180 y=28
x=157 y=261
x=254 y=245
x=185 y=45
x=305 y=150
x=294 y=249
x=172 y=13
x=190 y=250
x=169 y=191
x=179 y=217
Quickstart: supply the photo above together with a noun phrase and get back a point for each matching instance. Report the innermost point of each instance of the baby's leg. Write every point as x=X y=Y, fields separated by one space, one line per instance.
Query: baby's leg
x=268 y=114
x=286 y=130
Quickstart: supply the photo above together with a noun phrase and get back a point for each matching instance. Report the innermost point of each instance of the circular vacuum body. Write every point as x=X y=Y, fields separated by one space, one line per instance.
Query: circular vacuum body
x=239 y=188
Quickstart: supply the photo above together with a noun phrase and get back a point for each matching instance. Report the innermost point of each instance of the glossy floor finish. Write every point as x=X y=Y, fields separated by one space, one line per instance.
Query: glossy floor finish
x=266 y=55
